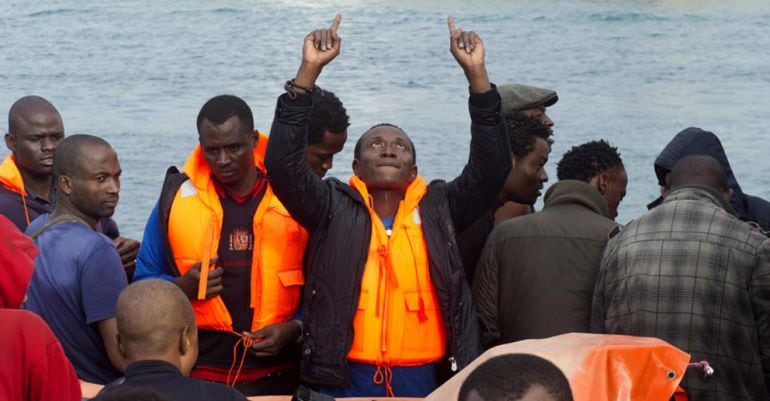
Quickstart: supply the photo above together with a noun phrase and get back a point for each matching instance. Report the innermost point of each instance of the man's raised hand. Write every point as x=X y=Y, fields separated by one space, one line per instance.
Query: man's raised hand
x=468 y=49
x=320 y=48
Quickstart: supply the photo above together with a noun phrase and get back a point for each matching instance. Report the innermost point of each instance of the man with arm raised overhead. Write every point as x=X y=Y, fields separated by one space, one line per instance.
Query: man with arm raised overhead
x=385 y=296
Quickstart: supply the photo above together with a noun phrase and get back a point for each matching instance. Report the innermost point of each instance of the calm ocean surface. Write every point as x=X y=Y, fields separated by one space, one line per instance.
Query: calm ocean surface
x=632 y=72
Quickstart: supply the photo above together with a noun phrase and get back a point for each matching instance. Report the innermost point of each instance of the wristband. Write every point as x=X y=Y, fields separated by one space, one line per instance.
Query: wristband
x=290 y=88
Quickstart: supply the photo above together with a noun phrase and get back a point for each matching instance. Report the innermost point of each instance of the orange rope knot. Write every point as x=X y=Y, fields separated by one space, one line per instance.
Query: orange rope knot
x=246 y=340
x=384 y=375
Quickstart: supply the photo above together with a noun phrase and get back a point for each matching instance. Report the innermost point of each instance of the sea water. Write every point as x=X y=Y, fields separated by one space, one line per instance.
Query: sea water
x=632 y=72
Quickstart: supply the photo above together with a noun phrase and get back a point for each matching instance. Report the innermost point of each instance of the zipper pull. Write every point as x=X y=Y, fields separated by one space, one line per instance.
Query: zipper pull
x=453 y=364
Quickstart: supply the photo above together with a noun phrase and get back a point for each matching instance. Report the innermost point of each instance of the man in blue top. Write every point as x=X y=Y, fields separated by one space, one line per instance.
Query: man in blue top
x=78 y=274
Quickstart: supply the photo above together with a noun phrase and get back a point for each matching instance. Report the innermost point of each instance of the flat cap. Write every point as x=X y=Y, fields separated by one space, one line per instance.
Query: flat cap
x=518 y=97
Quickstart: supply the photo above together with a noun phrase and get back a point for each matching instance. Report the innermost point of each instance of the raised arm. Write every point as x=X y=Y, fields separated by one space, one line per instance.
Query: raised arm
x=489 y=161
x=301 y=191
x=468 y=50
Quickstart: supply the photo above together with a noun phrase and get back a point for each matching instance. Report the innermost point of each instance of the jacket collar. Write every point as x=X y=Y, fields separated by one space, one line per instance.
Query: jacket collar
x=154 y=367
x=700 y=193
x=576 y=192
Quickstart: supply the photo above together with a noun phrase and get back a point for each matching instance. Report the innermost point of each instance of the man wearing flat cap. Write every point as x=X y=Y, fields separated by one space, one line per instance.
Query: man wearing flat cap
x=529 y=100
x=530 y=136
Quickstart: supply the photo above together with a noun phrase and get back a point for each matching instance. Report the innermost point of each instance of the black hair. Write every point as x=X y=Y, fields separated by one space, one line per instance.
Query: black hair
x=509 y=377
x=219 y=108
x=523 y=131
x=698 y=170
x=359 y=142
x=328 y=115
x=68 y=154
x=586 y=161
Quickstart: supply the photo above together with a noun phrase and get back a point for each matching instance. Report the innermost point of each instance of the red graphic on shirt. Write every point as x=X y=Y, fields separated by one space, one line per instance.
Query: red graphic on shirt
x=241 y=240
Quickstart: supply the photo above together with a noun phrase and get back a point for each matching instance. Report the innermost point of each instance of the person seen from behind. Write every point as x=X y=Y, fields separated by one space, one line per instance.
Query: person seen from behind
x=159 y=340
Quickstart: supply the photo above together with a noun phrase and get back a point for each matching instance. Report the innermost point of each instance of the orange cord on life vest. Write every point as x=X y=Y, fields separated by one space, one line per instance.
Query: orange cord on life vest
x=384 y=375
x=24 y=203
x=247 y=341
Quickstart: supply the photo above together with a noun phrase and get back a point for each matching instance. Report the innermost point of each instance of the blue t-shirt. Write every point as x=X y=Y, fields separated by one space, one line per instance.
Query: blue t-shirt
x=78 y=277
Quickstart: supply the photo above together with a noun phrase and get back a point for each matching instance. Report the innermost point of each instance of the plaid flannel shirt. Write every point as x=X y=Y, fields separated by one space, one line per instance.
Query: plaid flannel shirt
x=692 y=274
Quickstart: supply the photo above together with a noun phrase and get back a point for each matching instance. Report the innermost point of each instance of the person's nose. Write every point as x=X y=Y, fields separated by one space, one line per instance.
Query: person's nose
x=389 y=150
x=543 y=176
x=327 y=164
x=113 y=185
x=222 y=158
x=48 y=144
x=547 y=120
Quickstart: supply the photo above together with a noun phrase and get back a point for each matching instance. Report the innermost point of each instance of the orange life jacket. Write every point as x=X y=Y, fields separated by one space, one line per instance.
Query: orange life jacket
x=11 y=179
x=398 y=321
x=194 y=229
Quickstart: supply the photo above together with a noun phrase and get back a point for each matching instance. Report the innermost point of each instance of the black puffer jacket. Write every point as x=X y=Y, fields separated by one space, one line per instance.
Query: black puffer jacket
x=695 y=141
x=340 y=230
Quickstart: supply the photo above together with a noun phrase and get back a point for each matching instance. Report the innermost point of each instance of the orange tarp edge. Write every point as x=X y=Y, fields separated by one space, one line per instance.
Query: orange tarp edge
x=599 y=367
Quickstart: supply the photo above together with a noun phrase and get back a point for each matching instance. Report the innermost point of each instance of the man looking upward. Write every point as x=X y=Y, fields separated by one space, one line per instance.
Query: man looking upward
x=385 y=297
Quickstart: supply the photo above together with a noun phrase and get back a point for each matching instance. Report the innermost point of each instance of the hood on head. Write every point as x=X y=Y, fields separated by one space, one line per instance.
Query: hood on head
x=695 y=141
x=17 y=262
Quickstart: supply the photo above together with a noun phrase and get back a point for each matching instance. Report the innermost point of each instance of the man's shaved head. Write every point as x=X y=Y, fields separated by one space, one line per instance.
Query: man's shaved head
x=151 y=315
x=698 y=170
x=34 y=129
x=27 y=106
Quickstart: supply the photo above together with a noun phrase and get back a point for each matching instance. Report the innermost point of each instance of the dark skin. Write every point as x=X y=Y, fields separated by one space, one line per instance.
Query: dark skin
x=32 y=142
x=386 y=165
x=320 y=47
x=228 y=150
x=323 y=45
x=91 y=193
x=188 y=282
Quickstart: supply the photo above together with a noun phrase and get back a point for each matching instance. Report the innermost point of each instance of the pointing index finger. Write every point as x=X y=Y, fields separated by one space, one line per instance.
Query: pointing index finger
x=451 y=23
x=335 y=24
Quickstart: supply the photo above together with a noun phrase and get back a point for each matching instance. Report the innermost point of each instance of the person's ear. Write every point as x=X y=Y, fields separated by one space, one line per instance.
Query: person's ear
x=10 y=141
x=65 y=184
x=184 y=341
x=255 y=137
x=728 y=194
x=121 y=348
x=355 y=166
x=413 y=174
x=603 y=183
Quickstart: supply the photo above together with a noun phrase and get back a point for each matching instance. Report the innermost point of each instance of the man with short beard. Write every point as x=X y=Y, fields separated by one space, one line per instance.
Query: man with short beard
x=78 y=275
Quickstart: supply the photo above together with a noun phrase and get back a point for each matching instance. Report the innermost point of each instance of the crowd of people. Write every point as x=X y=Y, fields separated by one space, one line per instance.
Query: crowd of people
x=258 y=276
